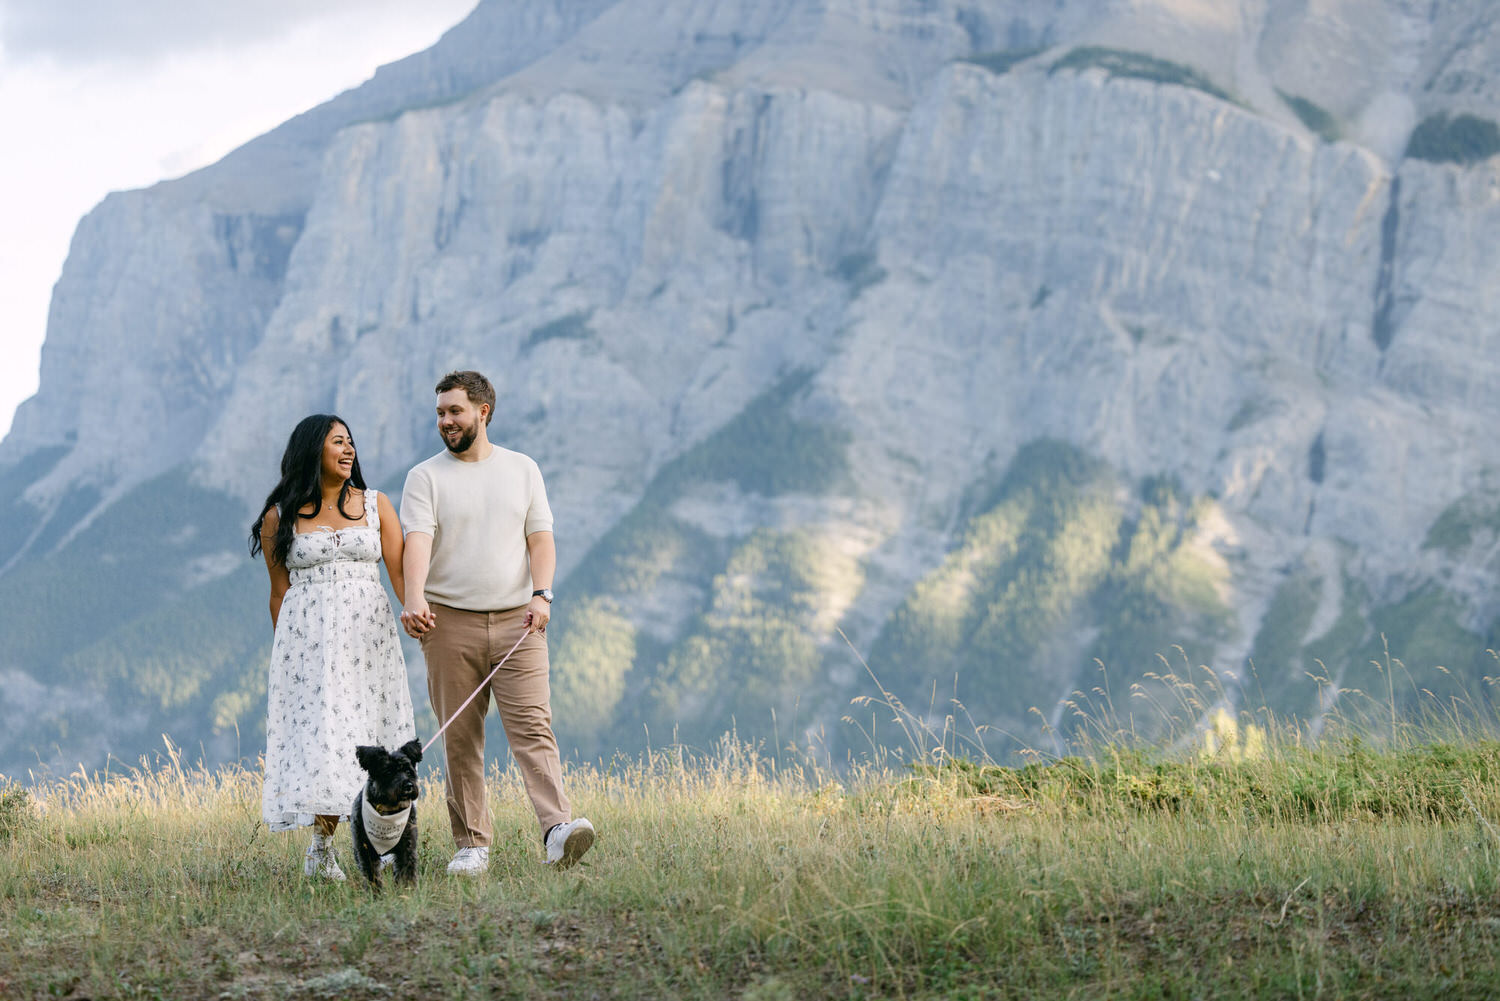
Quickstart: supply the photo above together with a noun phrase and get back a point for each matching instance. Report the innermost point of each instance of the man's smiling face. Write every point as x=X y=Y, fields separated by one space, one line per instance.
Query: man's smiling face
x=459 y=420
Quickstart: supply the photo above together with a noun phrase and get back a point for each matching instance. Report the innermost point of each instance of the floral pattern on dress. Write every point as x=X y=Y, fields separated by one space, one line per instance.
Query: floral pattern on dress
x=337 y=676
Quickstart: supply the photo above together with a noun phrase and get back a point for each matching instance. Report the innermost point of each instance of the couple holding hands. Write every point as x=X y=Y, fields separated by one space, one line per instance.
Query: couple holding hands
x=473 y=572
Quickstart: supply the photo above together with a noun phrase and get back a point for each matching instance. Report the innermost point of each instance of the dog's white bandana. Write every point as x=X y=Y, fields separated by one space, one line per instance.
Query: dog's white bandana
x=383 y=829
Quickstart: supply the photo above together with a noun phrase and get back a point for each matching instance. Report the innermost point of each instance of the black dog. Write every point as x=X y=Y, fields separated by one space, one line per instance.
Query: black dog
x=389 y=827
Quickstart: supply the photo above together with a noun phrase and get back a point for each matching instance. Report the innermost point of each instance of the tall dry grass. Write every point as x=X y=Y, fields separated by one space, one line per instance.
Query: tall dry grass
x=1237 y=858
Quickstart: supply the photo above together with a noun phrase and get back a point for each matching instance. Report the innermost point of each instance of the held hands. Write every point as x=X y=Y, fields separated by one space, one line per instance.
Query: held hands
x=417 y=618
x=538 y=614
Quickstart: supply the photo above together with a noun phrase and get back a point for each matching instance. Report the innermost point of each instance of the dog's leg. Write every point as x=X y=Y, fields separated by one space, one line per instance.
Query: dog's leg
x=406 y=853
x=364 y=852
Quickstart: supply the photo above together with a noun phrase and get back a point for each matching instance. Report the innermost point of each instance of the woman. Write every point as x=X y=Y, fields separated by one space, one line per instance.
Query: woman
x=338 y=677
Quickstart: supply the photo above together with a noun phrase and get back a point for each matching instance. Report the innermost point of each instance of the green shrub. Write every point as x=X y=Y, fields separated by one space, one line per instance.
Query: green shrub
x=1248 y=413
x=1461 y=522
x=1048 y=555
x=764 y=450
x=17 y=811
x=1317 y=120
x=572 y=327
x=1138 y=66
x=591 y=659
x=1322 y=784
x=1000 y=63
x=860 y=270
x=754 y=650
x=1462 y=139
x=18 y=519
x=1277 y=653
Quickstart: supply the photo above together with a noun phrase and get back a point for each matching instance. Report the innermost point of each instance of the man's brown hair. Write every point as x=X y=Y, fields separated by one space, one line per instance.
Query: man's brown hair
x=475 y=386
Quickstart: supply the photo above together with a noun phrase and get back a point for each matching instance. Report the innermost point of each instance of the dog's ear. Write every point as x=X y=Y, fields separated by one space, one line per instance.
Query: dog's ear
x=369 y=756
x=413 y=750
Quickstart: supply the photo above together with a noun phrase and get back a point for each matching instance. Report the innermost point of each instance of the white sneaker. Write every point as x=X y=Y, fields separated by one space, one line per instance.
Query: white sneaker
x=320 y=861
x=566 y=843
x=469 y=861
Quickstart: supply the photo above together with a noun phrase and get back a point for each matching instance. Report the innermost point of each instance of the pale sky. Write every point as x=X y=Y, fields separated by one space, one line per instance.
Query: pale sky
x=99 y=96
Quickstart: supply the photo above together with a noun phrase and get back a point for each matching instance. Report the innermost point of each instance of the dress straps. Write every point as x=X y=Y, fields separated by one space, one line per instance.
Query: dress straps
x=372 y=509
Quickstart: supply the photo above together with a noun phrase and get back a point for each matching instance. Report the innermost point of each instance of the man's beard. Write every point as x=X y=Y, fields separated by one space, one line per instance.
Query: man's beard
x=466 y=436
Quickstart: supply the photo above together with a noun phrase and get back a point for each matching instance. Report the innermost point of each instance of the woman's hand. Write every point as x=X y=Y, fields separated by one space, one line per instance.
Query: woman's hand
x=417 y=618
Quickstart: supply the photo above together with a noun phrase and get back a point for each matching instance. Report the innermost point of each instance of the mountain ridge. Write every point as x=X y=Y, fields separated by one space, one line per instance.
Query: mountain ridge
x=778 y=316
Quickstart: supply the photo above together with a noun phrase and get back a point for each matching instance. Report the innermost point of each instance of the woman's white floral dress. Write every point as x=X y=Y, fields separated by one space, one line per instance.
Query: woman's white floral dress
x=338 y=676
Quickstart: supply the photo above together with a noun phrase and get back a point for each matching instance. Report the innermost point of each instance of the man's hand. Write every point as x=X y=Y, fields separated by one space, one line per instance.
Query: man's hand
x=538 y=613
x=417 y=618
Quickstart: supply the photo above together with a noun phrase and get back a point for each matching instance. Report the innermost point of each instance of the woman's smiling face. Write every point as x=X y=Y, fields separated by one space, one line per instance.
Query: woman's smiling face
x=338 y=453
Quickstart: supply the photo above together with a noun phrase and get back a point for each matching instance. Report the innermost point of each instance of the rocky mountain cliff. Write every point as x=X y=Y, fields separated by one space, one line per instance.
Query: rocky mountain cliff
x=1008 y=338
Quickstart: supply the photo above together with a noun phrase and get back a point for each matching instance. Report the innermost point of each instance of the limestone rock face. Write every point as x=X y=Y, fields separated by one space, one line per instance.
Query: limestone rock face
x=165 y=289
x=782 y=295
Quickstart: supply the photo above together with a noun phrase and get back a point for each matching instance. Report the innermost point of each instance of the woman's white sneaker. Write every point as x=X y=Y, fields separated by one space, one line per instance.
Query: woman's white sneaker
x=320 y=861
x=470 y=861
x=567 y=843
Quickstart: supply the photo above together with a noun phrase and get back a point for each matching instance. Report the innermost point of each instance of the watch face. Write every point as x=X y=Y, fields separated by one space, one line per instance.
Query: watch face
x=545 y=594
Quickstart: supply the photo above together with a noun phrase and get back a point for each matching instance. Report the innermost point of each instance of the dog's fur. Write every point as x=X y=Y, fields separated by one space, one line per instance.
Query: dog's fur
x=392 y=786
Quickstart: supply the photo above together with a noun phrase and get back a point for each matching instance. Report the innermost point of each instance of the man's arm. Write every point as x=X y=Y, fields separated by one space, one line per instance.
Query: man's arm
x=542 y=552
x=417 y=618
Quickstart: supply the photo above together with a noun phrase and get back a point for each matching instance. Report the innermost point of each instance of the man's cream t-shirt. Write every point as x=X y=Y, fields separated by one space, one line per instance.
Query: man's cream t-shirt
x=479 y=515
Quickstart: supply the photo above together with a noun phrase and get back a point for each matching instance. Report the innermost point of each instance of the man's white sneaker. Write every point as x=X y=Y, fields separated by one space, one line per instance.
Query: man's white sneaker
x=566 y=843
x=320 y=861
x=470 y=861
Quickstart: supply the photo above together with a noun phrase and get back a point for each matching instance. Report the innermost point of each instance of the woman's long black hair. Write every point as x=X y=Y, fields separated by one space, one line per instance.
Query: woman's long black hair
x=302 y=483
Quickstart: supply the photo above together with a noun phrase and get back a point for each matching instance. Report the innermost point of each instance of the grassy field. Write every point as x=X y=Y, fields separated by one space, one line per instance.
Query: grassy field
x=1237 y=862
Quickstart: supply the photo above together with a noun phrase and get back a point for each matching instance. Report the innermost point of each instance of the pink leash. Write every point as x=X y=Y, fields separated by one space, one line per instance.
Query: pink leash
x=475 y=692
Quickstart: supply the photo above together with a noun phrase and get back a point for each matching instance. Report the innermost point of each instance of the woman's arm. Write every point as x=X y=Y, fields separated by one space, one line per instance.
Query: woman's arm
x=280 y=580
x=392 y=548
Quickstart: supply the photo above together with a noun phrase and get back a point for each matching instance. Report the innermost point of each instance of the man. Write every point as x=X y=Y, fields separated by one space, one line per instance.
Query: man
x=479 y=562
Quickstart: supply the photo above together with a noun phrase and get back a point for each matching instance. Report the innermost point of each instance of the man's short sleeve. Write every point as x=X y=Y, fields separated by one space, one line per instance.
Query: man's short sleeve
x=538 y=513
x=418 y=510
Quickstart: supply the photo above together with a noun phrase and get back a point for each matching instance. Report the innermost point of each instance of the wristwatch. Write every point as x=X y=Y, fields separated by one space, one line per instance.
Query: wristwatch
x=545 y=593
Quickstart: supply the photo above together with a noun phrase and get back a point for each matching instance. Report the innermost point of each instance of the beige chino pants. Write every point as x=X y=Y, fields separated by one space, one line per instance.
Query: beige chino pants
x=460 y=650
